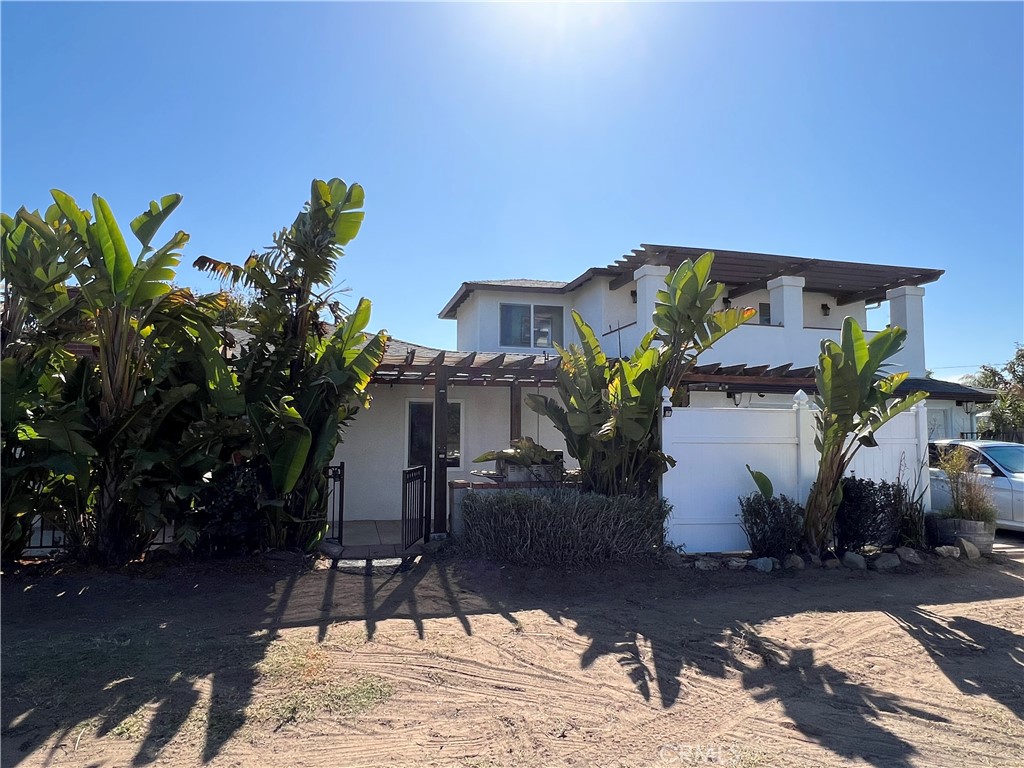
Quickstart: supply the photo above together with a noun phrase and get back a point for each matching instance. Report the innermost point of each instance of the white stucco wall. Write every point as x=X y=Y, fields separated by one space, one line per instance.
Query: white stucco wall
x=608 y=311
x=947 y=419
x=485 y=315
x=468 y=325
x=375 y=447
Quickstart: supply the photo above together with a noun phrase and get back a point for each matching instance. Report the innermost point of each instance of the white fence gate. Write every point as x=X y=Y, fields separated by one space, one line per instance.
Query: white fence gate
x=712 y=447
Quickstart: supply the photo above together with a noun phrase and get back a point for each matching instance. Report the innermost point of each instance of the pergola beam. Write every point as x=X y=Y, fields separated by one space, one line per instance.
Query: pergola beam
x=762 y=282
x=876 y=293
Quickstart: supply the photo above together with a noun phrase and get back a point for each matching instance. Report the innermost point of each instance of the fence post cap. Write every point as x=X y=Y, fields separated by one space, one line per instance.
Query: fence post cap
x=800 y=399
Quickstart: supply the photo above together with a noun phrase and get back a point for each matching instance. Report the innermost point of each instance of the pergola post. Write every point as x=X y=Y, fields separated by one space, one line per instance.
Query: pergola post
x=515 y=411
x=440 y=480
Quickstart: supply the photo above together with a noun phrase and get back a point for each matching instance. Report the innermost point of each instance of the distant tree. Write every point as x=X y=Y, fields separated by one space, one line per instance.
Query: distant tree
x=1007 y=413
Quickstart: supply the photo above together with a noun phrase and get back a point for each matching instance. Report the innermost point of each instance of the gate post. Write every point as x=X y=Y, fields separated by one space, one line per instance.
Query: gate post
x=921 y=422
x=440 y=484
x=806 y=453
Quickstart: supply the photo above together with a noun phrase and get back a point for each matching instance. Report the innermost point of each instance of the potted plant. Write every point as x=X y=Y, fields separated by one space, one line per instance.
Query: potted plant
x=525 y=461
x=971 y=515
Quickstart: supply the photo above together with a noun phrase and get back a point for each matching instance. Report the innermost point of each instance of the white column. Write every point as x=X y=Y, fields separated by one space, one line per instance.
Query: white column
x=906 y=309
x=649 y=280
x=786 y=295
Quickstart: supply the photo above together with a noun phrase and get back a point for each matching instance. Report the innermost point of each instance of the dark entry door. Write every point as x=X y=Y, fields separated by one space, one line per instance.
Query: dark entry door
x=420 y=440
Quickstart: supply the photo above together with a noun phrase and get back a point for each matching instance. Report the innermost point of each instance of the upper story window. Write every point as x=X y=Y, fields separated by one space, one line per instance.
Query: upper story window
x=764 y=313
x=530 y=325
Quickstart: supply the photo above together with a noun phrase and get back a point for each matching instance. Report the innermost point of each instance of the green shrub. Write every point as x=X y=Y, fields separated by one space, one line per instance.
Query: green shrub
x=971 y=500
x=229 y=520
x=773 y=524
x=563 y=527
x=910 y=519
x=869 y=514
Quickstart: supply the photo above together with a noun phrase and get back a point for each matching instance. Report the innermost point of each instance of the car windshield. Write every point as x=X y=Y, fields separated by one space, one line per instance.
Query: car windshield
x=1009 y=457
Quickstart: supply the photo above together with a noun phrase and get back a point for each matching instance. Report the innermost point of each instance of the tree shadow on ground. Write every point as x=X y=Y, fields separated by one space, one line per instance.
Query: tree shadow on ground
x=107 y=651
x=829 y=708
x=979 y=659
x=87 y=650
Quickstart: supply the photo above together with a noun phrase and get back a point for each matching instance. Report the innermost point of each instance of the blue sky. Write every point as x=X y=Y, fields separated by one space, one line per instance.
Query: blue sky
x=536 y=141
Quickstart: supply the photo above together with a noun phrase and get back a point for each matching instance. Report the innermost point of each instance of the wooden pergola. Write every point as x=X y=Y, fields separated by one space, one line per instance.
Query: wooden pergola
x=406 y=363
x=743 y=272
x=409 y=364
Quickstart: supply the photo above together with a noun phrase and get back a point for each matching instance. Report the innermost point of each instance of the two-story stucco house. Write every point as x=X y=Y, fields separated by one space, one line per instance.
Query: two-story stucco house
x=507 y=331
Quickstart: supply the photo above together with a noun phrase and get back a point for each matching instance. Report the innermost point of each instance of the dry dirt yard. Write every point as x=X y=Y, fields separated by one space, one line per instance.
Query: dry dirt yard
x=464 y=663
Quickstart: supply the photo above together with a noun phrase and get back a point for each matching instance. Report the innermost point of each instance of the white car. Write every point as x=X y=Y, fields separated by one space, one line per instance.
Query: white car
x=1000 y=467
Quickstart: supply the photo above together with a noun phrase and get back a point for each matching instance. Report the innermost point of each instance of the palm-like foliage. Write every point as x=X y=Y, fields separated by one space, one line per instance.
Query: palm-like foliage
x=855 y=398
x=685 y=320
x=609 y=408
x=139 y=326
x=38 y=443
x=301 y=380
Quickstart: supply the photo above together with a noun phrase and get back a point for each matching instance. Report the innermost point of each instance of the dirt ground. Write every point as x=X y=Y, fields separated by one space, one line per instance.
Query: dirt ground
x=466 y=663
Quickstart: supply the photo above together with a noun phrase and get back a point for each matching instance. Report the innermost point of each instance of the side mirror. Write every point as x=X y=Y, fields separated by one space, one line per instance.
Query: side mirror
x=983 y=470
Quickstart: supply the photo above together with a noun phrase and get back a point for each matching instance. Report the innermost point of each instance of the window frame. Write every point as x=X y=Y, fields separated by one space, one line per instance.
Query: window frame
x=557 y=329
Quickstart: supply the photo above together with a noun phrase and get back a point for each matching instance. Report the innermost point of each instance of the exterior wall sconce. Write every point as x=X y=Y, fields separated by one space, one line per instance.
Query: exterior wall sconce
x=826 y=310
x=727 y=302
x=968 y=406
x=737 y=397
x=632 y=295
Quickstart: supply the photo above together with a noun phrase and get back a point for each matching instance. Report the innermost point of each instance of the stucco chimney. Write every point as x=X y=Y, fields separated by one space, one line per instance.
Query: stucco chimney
x=786 y=295
x=906 y=309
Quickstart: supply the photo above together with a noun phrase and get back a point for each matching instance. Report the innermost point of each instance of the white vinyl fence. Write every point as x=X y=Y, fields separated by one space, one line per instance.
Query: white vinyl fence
x=712 y=447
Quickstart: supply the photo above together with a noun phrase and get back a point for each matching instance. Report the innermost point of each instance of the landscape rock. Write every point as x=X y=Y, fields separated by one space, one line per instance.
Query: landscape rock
x=776 y=564
x=967 y=549
x=672 y=559
x=762 y=564
x=887 y=561
x=947 y=552
x=794 y=562
x=161 y=554
x=707 y=564
x=854 y=561
x=284 y=556
x=431 y=547
x=815 y=561
x=832 y=563
x=735 y=563
x=330 y=549
x=909 y=555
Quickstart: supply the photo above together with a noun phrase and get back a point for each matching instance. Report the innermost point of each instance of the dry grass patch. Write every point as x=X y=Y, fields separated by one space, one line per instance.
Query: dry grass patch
x=296 y=685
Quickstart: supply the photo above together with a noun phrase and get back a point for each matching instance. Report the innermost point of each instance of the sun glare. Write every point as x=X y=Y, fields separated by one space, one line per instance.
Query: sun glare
x=557 y=30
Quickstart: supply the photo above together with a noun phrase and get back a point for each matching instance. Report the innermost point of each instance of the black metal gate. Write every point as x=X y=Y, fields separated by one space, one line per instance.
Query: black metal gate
x=414 y=506
x=335 y=501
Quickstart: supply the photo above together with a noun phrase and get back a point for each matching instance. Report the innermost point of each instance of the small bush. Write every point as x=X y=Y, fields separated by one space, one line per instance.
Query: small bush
x=970 y=499
x=563 y=527
x=869 y=514
x=229 y=520
x=774 y=525
x=910 y=521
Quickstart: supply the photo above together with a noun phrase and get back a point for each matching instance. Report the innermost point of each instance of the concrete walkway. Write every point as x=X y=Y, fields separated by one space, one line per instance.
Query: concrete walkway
x=1009 y=544
x=370 y=532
